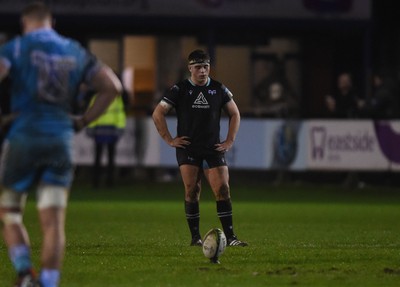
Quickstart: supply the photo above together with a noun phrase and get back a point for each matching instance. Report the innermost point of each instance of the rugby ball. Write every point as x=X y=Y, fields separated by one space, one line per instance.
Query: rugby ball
x=214 y=244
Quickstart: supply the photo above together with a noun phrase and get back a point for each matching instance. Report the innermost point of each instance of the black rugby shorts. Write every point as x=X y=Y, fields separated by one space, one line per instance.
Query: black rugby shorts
x=183 y=156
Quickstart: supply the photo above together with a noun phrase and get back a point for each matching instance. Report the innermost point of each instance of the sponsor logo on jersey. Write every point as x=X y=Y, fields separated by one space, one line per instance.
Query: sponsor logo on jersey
x=200 y=102
x=212 y=92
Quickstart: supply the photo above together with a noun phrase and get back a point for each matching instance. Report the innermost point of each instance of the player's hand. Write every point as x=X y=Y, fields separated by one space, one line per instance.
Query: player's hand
x=330 y=103
x=181 y=142
x=224 y=146
x=79 y=123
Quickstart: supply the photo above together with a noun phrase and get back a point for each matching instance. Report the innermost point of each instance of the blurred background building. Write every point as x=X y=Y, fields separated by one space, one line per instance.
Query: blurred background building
x=281 y=58
x=264 y=50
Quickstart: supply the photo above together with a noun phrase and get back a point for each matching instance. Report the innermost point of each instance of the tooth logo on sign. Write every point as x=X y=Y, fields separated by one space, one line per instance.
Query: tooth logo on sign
x=200 y=102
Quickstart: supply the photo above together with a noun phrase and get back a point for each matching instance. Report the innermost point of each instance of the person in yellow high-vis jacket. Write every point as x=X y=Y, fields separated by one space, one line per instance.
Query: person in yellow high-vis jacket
x=106 y=131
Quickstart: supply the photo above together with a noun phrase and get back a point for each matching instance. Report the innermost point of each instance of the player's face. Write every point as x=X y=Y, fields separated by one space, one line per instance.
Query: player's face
x=199 y=73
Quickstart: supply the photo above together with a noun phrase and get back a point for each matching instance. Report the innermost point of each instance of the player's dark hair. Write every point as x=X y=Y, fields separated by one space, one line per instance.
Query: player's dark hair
x=198 y=57
x=37 y=10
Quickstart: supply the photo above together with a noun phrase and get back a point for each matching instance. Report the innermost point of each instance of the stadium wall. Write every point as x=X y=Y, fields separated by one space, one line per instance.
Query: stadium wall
x=298 y=145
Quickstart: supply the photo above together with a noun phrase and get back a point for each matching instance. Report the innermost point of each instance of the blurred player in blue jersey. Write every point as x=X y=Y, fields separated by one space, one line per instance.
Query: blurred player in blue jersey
x=46 y=70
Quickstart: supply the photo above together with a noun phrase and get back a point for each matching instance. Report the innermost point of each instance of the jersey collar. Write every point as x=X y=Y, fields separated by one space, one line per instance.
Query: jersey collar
x=194 y=85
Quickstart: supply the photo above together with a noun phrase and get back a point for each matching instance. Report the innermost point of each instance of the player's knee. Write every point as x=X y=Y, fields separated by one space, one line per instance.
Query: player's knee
x=192 y=192
x=10 y=199
x=11 y=217
x=11 y=206
x=52 y=196
x=223 y=192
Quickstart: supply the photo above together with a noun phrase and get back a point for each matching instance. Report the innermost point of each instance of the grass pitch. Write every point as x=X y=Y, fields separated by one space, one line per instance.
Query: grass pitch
x=136 y=235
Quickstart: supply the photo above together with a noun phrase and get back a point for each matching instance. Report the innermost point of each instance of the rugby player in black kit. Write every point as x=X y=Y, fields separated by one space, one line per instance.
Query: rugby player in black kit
x=198 y=102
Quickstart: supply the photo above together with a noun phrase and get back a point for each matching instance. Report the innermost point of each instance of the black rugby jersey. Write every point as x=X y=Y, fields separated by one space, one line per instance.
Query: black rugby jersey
x=198 y=110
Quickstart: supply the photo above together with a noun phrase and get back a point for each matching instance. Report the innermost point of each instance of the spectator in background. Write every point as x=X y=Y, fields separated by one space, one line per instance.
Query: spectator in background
x=383 y=104
x=106 y=131
x=343 y=104
x=274 y=98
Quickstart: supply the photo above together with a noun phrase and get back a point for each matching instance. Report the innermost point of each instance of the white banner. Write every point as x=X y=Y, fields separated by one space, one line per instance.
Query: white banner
x=260 y=144
x=271 y=144
x=147 y=145
x=268 y=144
x=343 y=145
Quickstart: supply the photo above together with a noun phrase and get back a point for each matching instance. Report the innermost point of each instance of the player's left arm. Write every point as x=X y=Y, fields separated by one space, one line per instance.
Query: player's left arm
x=234 y=122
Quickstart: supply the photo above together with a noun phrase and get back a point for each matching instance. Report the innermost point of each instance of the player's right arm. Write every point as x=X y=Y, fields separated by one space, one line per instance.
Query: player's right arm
x=160 y=122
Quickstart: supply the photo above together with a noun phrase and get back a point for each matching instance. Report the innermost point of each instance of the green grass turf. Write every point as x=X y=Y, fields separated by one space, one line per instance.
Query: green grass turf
x=136 y=235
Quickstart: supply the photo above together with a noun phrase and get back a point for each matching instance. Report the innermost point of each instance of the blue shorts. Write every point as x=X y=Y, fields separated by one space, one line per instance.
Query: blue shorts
x=27 y=160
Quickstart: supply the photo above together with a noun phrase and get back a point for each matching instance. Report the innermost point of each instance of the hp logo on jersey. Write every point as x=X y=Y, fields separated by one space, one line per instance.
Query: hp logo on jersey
x=200 y=102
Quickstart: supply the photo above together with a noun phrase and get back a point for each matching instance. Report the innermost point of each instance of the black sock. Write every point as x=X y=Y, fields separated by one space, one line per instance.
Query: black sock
x=224 y=210
x=193 y=218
